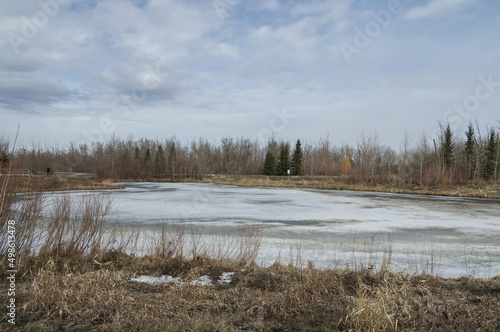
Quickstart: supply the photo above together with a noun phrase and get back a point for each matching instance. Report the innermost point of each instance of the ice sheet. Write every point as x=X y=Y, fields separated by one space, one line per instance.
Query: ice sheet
x=326 y=225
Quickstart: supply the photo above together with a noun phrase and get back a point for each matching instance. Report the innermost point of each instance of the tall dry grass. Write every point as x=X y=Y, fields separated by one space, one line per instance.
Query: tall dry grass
x=75 y=228
x=173 y=249
x=78 y=226
x=278 y=298
x=24 y=208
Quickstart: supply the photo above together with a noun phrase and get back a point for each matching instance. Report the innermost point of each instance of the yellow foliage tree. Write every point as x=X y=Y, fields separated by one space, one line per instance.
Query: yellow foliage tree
x=346 y=164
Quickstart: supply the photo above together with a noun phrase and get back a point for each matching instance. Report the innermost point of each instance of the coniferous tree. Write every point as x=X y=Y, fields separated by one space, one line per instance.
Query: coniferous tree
x=147 y=164
x=490 y=163
x=283 y=160
x=172 y=159
x=4 y=159
x=269 y=164
x=159 y=162
x=470 y=152
x=448 y=148
x=297 y=159
x=137 y=162
x=137 y=153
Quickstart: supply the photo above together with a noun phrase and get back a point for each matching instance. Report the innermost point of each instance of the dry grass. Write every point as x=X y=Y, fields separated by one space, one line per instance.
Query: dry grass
x=60 y=182
x=75 y=181
x=278 y=298
x=83 y=181
x=172 y=250
x=481 y=190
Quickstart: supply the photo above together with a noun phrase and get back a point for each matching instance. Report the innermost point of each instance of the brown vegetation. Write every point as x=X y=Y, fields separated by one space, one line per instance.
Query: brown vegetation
x=60 y=182
x=480 y=190
x=461 y=159
x=95 y=293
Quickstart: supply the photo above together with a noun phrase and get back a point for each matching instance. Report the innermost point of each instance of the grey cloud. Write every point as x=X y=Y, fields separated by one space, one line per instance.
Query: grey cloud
x=11 y=63
x=22 y=91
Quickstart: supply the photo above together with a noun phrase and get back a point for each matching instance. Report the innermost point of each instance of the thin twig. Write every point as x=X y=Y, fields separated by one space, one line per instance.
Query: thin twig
x=6 y=181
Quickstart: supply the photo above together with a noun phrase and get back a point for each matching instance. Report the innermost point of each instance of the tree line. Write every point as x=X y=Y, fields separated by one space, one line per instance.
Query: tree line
x=449 y=158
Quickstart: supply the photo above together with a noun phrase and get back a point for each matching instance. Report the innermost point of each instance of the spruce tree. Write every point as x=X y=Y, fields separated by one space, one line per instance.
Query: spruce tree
x=172 y=159
x=159 y=161
x=4 y=159
x=147 y=169
x=448 y=147
x=490 y=162
x=137 y=153
x=147 y=157
x=284 y=160
x=297 y=158
x=269 y=164
x=470 y=152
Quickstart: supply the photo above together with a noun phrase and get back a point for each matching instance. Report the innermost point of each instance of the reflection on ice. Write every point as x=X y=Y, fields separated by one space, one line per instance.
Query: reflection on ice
x=446 y=236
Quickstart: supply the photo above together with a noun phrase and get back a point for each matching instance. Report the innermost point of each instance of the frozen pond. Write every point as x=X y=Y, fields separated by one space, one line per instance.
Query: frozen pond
x=444 y=236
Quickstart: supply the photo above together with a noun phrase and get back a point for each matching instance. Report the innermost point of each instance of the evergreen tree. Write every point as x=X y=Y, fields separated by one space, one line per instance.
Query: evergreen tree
x=172 y=159
x=297 y=159
x=283 y=160
x=470 y=152
x=4 y=159
x=137 y=153
x=448 y=147
x=147 y=157
x=159 y=161
x=269 y=164
x=146 y=167
x=490 y=163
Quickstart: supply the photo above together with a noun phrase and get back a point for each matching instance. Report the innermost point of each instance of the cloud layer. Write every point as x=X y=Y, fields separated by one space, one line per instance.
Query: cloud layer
x=85 y=70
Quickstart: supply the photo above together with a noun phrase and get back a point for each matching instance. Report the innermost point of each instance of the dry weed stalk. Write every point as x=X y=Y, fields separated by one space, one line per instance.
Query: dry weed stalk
x=172 y=242
x=78 y=227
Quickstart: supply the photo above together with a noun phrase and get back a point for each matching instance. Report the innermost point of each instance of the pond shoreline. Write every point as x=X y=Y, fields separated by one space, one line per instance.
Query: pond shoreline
x=85 y=181
x=481 y=190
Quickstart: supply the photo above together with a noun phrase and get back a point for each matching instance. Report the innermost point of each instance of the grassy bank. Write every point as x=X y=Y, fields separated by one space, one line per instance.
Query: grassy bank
x=81 y=293
x=480 y=190
x=59 y=182
x=84 y=181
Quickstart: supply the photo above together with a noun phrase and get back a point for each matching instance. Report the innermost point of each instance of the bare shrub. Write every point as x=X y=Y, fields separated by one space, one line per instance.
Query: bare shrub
x=24 y=208
x=80 y=226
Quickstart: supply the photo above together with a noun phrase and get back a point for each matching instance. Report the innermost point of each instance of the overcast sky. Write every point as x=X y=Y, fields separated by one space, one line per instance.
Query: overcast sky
x=81 y=71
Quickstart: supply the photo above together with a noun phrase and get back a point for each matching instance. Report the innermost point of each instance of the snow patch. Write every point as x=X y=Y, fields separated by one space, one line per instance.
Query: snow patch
x=163 y=280
x=202 y=281
x=226 y=278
